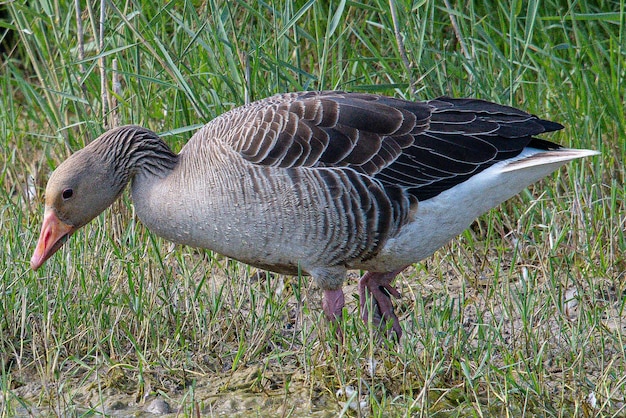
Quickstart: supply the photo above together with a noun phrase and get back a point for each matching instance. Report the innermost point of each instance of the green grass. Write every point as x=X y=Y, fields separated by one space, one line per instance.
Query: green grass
x=523 y=315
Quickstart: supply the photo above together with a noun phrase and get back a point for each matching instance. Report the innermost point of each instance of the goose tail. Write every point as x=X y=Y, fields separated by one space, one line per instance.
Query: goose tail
x=547 y=159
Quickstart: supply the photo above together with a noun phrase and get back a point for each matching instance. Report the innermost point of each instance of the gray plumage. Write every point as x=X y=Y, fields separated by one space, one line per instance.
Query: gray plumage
x=316 y=182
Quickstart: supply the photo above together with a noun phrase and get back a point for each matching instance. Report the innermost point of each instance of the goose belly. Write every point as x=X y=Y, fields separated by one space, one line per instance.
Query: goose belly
x=266 y=221
x=440 y=219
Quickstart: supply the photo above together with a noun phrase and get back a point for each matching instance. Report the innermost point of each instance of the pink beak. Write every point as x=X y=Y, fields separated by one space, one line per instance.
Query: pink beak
x=54 y=233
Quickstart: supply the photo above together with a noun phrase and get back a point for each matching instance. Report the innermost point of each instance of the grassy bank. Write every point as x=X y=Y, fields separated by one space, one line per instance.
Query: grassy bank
x=523 y=315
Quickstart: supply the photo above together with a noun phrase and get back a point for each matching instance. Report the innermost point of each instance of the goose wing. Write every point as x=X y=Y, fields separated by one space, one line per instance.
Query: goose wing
x=424 y=148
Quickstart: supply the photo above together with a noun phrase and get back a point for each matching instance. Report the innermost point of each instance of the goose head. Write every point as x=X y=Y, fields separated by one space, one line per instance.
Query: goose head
x=78 y=190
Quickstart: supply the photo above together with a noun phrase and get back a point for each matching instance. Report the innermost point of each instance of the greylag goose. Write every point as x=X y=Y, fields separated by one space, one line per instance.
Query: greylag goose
x=314 y=183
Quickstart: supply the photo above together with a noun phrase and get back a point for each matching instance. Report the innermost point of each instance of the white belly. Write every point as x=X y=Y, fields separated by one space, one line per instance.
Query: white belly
x=441 y=218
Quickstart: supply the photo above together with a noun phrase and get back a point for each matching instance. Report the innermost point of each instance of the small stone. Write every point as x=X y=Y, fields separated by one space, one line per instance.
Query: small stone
x=117 y=405
x=591 y=400
x=570 y=302
x=158 y=407
x=348 y=391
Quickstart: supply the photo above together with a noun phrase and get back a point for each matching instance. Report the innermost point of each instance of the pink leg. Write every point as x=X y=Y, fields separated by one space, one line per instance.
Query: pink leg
x=333 y=302
x=379 y=287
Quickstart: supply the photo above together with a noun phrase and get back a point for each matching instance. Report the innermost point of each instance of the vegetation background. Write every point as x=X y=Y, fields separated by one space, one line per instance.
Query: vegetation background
x=523 y=315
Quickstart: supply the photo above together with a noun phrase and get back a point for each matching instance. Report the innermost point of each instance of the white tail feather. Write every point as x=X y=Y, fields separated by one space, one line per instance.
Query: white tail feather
x=556 y=157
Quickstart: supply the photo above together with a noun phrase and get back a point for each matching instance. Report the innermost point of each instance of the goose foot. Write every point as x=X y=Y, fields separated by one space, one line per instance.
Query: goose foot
x=379 y=287
x=333 y=302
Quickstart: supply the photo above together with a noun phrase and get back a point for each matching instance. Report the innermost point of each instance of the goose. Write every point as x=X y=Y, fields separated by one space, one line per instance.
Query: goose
x=314 y=183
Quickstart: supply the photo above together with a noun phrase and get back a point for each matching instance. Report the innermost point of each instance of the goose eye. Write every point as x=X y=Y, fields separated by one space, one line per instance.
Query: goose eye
x=67 y=193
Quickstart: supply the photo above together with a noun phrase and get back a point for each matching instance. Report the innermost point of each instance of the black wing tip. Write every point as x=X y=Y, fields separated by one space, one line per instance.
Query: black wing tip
x=472 y=104
x=550 y=126
x=543 y=144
